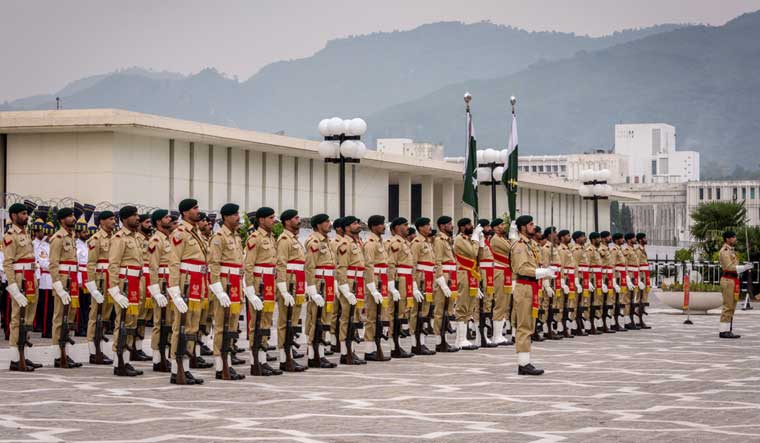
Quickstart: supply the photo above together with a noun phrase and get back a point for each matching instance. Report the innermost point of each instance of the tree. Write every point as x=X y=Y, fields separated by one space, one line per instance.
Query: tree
x=626 y=219
x=615 y=225
x=711 y=219
x=753 y=234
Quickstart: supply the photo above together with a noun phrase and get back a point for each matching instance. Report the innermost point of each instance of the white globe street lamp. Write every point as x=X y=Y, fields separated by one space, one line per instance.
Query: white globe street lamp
x=595 y=188
x=342 y=144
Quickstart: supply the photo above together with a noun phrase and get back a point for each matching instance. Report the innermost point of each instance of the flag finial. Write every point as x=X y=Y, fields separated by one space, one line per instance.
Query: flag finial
x=513 y=100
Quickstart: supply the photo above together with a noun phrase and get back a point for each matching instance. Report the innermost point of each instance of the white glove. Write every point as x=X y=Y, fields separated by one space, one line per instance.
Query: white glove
x=372 y=288
x=578 y=283
x=605 y=289
x=642 y=285
x=444 y=286
x=155 y=293
x=513 y=234
x=555 y=269
x=90 y=285
x=417 y=294
x=344 y=289
x=617 y=287
x=543 y=273
x=565 y=288
x=286 y=296
x=118 y=297
x=591 y=286
x=480 y=293
x=65 y=297
x=477 y=234
x=177 y=299
x=394 y=292
x=224 y=299
x=548 y=287
x=17 y=295
x=629 y=282
x=742 y=268
x=315 y=297
x=514 y=284
x=255 y=302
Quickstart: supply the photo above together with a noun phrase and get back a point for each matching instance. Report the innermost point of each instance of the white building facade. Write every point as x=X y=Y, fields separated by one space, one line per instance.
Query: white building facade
x=570 y=166
x=747 y=191
x=651 y=148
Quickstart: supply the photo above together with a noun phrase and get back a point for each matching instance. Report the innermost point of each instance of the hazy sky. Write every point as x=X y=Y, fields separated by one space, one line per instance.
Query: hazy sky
x=46 y=44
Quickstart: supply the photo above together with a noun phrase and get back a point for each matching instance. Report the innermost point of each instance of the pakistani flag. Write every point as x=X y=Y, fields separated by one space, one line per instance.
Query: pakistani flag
x=470 y=193
x=509 y=178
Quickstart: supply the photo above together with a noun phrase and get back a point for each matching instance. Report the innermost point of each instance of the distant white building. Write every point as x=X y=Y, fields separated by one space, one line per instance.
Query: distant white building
x=409 y=148
x=570 y=166
x=651 y=148
x=726 y=190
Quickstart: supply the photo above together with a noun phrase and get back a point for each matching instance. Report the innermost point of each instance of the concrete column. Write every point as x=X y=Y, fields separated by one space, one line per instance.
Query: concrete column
x=404 y=195
x=449 y=199
x=428 y=196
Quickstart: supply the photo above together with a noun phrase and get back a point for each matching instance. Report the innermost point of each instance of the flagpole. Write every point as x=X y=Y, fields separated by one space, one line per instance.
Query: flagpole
x=468 y=118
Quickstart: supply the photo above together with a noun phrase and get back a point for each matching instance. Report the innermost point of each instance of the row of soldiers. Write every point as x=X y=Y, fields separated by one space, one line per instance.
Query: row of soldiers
x=489 y=275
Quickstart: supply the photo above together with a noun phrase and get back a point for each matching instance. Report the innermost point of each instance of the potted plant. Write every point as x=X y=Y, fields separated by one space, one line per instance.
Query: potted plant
x=702 y=296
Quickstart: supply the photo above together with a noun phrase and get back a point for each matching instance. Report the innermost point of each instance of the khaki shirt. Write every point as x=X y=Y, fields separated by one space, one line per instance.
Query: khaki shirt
x=444 y=253
x=99 y=247
x=464 y=246
x=187 y=244
x=501 y=245
x=631 y=259
x=579 y=256
x=159 y=250
x=61 y=249
x=727 y=257
x=594 y=259
x=260 y=249
x=549 y=254
x=340 y=246
x=524 y=258
x=375 y=254
x=288 y=249
x=318 y=253
x=17 y=245
x=226 y=246
x=643 y=259
x=616 y=255
x=126 y=250
x=566 y=260
x=422 y=251
x=605 y=255
x=354 y=256
x=399 y=253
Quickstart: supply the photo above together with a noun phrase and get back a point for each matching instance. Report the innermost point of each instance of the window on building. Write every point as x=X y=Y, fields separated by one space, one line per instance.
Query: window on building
x=701 y=193
x=636 y=179
x=535 y=169
x=541 y=169
x=744 y=193
x=563 y=168
x=555 y=168
x=654 y=167
x=656 y=137
x=752 y=193
x=717 y=193
x=709 y=193
x=734 y=194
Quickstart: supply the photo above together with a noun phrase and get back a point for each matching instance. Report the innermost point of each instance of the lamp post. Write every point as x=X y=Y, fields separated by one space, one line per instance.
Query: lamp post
x=595 y=188
x=490 y=169
x=342 y=144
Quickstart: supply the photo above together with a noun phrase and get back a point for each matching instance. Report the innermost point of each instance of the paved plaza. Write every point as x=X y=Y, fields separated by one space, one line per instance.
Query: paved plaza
x=671 y=383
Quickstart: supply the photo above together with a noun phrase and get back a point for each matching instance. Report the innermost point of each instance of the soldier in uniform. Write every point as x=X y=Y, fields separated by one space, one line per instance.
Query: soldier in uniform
x=644 y=282
x=729 y=284
x=376 y=277
x=187 y=277
x=582 y=280
x=260 y=266
x=486 y=264
x=41 y=244
x=225 y=261
x=159 y=249
x=445 y=279
x=608 y=288
x=595 y=274
x=401 y=282
x=525 y=260
x=349 y=263
x=206 y=229
x=632 y=279
x=617 y=260
x=500 y=247
x=466 y=249
x=145 y=308
x=567 y=284
x=97 y=280
x=320 y=277
x=18 y=265
x=424 y=277
x=63 y=271
x=125 y=263
x=551 y=285
x=291 y=282
x=339 y=242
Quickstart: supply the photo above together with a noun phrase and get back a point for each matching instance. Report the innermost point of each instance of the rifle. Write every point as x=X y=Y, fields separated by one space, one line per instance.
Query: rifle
x=23 y=339
x=418 y=330
x=483 y=327
x=258 y=335
x=397 y=323
x=65 y=336
x=182 y=342
x=319 y=330
x=99 y=332
x=580 y=328
x=379 y=335
x=444 y=324
x=352 y=327
x=121 y=343
x=290 y=332
x=616 y=312
x=566 y=316
x=227 y=338
x=163 y=334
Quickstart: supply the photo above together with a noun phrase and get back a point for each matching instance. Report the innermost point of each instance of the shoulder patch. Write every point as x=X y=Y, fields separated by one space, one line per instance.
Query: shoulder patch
x=8 y=239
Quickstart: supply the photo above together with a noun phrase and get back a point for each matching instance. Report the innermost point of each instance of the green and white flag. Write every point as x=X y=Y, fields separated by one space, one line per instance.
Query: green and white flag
x=509 y=178
x=470 y=193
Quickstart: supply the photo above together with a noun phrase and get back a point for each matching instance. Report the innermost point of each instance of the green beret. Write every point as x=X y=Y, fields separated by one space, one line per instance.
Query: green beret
x=563 y=233
x=64 y=212
x=203 y=216
x=523 y=220
x=288 y=214
x=157 y=215
x=578 y=234
x=630 y=236
x=338 y=223
x=593 y=236
x=549 y=230
x=617 y=236
x=422 y=221
x=537 y=230
x=411 y=231
x=463 y=222
x=229 y=209
x=264 y=212
x=318 y=219
x=398 y=222
x=348 y=220
x=144 y=217
x=604 y=234
x=127 y=211
x=187 y=204
x=104 y=215
x=483 y=222
x=729 y=234
x=442 y=220
x=16 y=208
x=640 y=235
x=496 y=222
x=375 y=220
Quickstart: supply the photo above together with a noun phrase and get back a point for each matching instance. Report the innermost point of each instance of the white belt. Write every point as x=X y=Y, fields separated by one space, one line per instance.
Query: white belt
x=425 y=268
x=67 y=268
x=324 y=272
x=82 y=268
x=189 y=267
x=486 y=264
x=101 y=267
x=295 y=267
x=571 y=272
x=129 y=272
x=263 y=270
x=631 y=269
x=354 y=273
x=449 y=268
x=596 y=269
x=644 y=268
x=162 y=270
x=608 y=271
x=381 y=270
x=146 y=269
x=404 y=271
x=229 y=271
x=583 y=268
x=620 y=268
x=23 y=266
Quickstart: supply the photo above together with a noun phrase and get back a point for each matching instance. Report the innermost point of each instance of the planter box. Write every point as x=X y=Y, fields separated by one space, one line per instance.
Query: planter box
x=699 y=302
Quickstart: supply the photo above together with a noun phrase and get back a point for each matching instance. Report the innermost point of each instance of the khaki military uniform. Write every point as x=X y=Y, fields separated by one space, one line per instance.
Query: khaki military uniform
x=550 y=257
x=187 y=270
x=632 y=268
x=729 y=283
x=63 y=268
x=225 y=263
x=568 y=275
x=125 y=260
x=375 y=272
x=525 y=259
x=18 y=265
x=291 y=259
x=644 y=273
x=350 y=263
x=320 y=272
x=339 y=248
x=583 y=273
x=146 y=303
x=400 y=270
x=500 y=248
x=208 y=308
x=595 y=265
x=260 y=268
x=159 y=252
x=97 y=271
x=466 y=252
x=607 y=276
x=487 y=276
x=424 y=264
